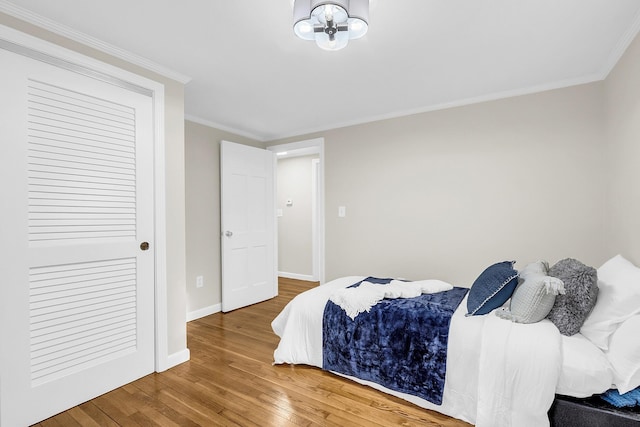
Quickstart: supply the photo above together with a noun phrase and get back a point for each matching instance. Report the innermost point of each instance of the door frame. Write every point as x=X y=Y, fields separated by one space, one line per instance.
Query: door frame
x=305 y=148
x=42 y=50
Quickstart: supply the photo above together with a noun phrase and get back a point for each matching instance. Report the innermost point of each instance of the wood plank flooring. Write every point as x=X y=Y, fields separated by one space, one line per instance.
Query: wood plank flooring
x=230 y=381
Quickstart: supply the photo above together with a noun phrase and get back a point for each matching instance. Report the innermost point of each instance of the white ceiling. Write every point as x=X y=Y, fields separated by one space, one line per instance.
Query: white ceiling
x=251 y=75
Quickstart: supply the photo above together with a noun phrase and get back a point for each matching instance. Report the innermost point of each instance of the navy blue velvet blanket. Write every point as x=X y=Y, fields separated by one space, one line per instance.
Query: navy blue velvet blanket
x=400 y=344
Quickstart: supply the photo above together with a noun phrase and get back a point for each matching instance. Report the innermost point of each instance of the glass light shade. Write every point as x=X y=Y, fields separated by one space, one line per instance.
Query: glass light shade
x=325 y=12
x=340 y=40
x=304 y=30
x=357 y=28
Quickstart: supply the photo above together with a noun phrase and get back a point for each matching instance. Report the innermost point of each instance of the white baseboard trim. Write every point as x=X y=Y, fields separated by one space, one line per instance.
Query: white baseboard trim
x=212 y=309
x=296 y=276
x=177 y=358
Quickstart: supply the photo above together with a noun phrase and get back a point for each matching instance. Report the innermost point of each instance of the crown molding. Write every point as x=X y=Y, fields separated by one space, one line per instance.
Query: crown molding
x=270 y=137
x=223 y=128
x=87 y=40
x=442 y=106
x=621 y=47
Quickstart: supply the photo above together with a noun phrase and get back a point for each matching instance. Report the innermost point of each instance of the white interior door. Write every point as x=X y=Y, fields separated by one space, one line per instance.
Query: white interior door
x=248 y=225
x=77 y=290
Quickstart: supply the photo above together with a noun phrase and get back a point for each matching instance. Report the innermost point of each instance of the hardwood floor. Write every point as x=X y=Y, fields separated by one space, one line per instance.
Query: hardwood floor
x=230 y=381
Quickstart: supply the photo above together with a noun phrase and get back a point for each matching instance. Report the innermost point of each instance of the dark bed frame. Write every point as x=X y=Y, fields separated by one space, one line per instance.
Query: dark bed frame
x=591 y=412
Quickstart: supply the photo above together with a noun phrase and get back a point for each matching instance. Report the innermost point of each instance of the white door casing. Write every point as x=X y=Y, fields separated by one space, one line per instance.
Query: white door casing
x=315 y=220
x=78 y=291
x=248 y=225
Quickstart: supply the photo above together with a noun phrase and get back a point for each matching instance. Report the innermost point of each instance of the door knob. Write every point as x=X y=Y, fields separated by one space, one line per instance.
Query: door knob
x=228 y=233
x=144 y=246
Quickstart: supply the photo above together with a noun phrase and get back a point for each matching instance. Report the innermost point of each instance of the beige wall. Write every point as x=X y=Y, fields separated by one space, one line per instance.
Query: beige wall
x=174 y=140
x=175 y=216
x=295 y=250
x=622 y=91
x=203 y=213
x=444 y=194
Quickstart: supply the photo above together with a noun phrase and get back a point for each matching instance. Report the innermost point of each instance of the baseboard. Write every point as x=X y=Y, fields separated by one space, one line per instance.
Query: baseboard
x=197 y=314
x=177 y=358
x=296 y=276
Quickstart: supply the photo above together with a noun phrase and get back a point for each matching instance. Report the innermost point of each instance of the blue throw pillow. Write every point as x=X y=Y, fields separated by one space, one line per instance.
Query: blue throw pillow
x=492 y=288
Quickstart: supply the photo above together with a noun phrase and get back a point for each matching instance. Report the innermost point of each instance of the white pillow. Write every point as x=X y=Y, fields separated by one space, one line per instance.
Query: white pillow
x=534 y=296
x=624 y=355
x=618 y=300
x=585 y=368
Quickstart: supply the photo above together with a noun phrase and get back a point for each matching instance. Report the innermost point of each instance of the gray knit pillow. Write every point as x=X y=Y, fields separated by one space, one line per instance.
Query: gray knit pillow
x=534 y=296
x=581 y=291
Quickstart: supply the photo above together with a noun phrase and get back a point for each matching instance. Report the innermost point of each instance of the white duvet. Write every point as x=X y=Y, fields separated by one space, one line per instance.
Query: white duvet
x=499 y=373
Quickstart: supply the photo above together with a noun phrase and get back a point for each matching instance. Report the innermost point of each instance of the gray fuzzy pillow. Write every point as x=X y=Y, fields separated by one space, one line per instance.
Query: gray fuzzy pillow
x=581 y=291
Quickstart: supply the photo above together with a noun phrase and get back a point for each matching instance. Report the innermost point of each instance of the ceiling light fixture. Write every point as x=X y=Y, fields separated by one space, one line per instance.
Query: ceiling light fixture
x=330 y=23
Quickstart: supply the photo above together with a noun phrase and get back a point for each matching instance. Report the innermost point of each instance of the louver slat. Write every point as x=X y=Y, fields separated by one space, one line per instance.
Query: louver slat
x=81 y=167
x=79 y=314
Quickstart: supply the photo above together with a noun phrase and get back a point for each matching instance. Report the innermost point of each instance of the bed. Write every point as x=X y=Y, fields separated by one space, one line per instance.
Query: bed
x=502 y=368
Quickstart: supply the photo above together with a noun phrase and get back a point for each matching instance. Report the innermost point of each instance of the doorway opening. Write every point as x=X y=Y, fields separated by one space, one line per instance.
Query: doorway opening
x=311 y=153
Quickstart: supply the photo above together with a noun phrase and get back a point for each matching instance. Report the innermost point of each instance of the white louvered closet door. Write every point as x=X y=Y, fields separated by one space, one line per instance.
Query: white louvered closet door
x=77 y=291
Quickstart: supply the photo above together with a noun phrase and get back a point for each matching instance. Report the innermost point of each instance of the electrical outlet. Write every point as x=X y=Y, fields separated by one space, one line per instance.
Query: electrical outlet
x=199 y=282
